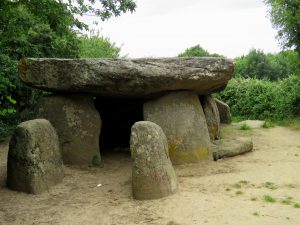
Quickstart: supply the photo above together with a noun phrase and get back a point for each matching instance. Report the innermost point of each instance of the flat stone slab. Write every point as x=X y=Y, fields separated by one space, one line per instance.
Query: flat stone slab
x=231 y=147
x=127 y=77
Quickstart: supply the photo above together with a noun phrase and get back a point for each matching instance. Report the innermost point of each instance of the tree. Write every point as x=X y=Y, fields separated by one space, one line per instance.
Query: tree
x=257 y=64
x=285 y=16
x=254 y=65
x=42 y=28
x=97 y=47
x=196 y=51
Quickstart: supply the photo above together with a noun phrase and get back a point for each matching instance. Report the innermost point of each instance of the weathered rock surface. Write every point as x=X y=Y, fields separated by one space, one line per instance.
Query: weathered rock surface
x=34 y=159
x=224 y=111
x=78 y=126
x=181 y=117
x=127 y=77
x=212 y=116
x=231 y=147
x=152 y=173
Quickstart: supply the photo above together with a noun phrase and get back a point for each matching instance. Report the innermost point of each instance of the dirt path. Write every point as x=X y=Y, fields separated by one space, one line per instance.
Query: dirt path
x=228 y=191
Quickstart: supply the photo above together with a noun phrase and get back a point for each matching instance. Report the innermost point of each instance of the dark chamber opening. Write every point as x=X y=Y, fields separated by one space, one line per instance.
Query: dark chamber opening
x=117 y=115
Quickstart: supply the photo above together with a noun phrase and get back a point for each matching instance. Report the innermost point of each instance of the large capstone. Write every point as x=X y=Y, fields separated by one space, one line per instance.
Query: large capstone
x=152 y=173
x=127 y=77
x=34 y=159
x=224 y=111
x=78 y=125
x=181 y=117
x=212 y=116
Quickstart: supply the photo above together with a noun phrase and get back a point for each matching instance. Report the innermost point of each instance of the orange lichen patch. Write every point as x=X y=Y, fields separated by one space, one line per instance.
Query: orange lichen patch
x=188 y=156
x=213 y=132
x=22 y=67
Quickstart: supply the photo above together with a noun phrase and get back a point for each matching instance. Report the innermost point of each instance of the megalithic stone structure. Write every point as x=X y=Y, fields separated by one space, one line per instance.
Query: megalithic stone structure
x=127 y=77
x=148 y=79
x=153 y=175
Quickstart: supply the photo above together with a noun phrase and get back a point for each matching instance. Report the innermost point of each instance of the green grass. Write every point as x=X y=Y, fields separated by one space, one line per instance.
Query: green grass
x=268 y=124
x=253 y=199
x=244 y=182
x=239 y=193
x=269 y=198
x=287 y=201
x=297 y=205
x=237 y=185
x=255 y=214
x=227 y=189
x=245 y=126
x=292 y=123
x=270 y=185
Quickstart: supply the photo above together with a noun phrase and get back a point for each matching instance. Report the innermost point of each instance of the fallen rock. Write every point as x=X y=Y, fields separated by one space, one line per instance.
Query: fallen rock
x=224 y=111
x=78 y=126
x=34 y=159
x=253 y=124
x=212 y=116
x=127 y=77
x=181 y=117
x=153 y=175
x=231 y=147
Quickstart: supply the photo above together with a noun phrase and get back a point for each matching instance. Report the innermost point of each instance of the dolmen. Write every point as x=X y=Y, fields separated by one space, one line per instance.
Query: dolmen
x=162 y=108
x=175 y=94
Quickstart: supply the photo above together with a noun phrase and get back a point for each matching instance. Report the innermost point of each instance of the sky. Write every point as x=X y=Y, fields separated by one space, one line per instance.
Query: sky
x=165 y=28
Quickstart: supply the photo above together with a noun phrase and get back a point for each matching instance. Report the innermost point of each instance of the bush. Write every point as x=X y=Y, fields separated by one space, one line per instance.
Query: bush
x=262 y=99
x=97 y=47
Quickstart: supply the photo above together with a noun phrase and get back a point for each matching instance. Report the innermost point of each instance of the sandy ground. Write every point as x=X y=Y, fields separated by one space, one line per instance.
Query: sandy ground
x=229 y=191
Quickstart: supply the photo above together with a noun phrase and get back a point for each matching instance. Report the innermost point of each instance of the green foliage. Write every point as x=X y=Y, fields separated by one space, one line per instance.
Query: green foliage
x=43 y=28
x=257 y=64
x=107 y=9
x=285 y=17
x=269 y=198
x=97 y=47
x=268 y=124
x=7 y=67
x=245 y=126
x=270 y=185
x=197 y=51
x=297 y=205
x=261 y=99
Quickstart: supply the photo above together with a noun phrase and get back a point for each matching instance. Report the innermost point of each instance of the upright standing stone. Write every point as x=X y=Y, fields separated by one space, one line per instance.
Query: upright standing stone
x=181 y=117
x=152 y=173
x=78 y=126
x=224 y=111
x=34 y=159
x=212 y=116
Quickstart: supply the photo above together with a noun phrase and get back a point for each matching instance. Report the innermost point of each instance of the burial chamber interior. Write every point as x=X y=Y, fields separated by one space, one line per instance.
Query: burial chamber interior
x=117 y=115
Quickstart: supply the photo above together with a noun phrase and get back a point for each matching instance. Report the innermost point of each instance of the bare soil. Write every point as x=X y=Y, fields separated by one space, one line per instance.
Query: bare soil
x=229 y=191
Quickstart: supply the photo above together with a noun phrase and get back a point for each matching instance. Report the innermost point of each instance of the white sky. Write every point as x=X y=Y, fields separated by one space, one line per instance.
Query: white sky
x=162 y=28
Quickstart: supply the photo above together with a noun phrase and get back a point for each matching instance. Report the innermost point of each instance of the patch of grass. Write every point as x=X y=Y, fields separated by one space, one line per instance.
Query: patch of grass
x=227 y=189
x=268 y=124
x=239 y=193
x=287 y=201
x=270 y=185
x=297 y=205
x=292 y=123
x=253 y=199
x=245 y=126
x=237 y=185
x=255 y=214
x=269 y=198
x=237 y=119
x=244 y=182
